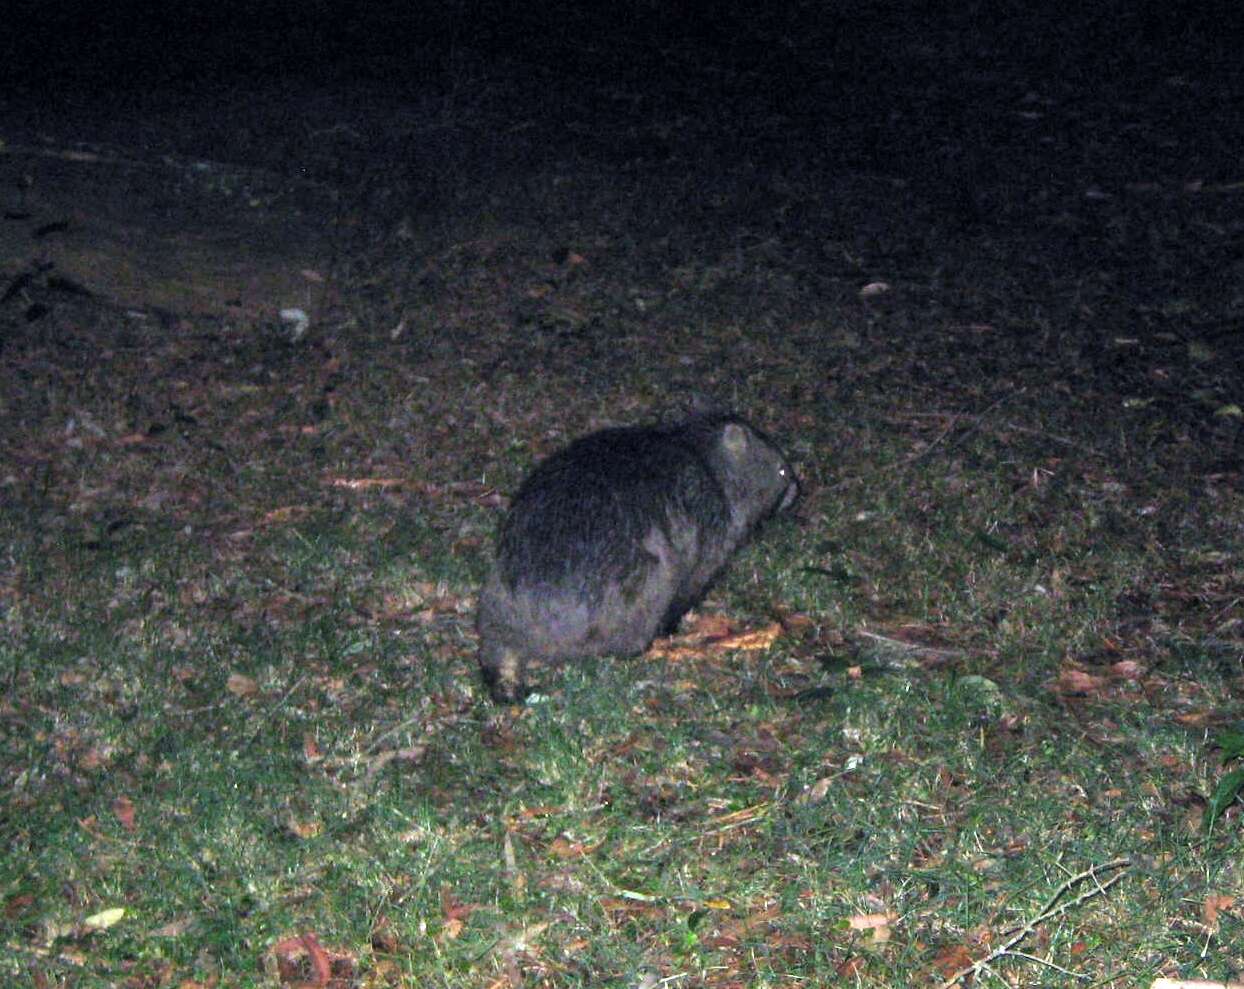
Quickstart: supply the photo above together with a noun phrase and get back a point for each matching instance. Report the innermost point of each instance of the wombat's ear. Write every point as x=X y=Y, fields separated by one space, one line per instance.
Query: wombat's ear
x=734 y=439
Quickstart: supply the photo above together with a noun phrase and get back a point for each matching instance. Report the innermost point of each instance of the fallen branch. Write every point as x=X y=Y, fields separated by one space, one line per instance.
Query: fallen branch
x=1051 y=910
x=976 y=420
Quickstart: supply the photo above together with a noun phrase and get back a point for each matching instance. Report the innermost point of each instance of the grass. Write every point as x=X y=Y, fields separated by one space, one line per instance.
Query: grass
x=240 y=696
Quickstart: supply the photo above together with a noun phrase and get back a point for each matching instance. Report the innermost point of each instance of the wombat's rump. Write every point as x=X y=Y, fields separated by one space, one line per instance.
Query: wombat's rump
x=609 y=541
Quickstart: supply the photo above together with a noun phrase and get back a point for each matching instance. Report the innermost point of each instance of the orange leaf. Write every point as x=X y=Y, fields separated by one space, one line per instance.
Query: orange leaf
x=241 y=686
x=753 y=641
x=563 y=848
x=451 y=929
x=1073 y=681
x=291 y=952
x=1214 y=903
x=123 y=808
x=869 y=921
x=953 y=959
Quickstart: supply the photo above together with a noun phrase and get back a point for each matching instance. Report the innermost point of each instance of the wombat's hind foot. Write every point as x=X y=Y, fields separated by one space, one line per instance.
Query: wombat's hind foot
x=503 y=675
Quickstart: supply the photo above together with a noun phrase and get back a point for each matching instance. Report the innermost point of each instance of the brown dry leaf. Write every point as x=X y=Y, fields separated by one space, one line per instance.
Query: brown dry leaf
x=384 y=937
x=953 y=959
x=451 y=929
x=1214 y=903
x=311 y=749
x=878 y=923
x=452 y=907
x=305 y=829
x=174 y=928
x=871 y=921
x=632 y=908
x=123 y=808
x=701 y=626
x=303 y=962
x=15 y=906
x=668 y=650
x=755 y=921
x=1128 y=669
x=1073 y=681
x=753 y=641
x=799 y=623
x=241 y=685
x=544 y=810
x=563 y=848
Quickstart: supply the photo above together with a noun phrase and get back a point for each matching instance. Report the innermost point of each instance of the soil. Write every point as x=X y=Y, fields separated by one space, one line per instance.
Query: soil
x=158 y=234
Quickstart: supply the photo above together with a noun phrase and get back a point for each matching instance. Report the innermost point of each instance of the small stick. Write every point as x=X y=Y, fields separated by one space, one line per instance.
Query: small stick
x=1053 y=436
x=1047 y=912
x=977 y=421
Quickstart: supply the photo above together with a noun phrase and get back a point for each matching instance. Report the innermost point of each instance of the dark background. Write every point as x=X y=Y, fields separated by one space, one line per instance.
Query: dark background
x=131 y=43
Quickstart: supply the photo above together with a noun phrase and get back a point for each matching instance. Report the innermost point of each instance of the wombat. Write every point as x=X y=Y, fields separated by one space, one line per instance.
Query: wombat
x=610 y=540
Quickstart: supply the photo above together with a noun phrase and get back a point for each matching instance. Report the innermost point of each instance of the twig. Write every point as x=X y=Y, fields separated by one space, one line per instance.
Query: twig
x=1048 y=912
x=281 y=702
x=1065 y=441
x=899 y=645
x=977 y=421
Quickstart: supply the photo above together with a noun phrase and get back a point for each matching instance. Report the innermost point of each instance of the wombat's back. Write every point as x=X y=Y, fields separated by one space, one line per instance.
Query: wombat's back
x=610 y=540
x=581 y=518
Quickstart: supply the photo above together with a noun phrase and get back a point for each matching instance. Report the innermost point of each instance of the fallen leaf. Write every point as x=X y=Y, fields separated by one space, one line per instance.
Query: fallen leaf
x=174 y=928
x=1214 y=903
x=1073 y=681
x=104 y=919
x=1128 y=669
x=850 y=968
x=563 y=848
x=877 y=923
x=241 y=685
x=451 y=929
x=870 y=921
x=123 y=808
x=309 y=828
x=753 y=641
x=708 y=626
x=953 y=959
x=303 y=962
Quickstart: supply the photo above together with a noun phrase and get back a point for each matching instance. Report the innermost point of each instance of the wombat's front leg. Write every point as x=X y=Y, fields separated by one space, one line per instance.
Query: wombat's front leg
x=503 y=670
